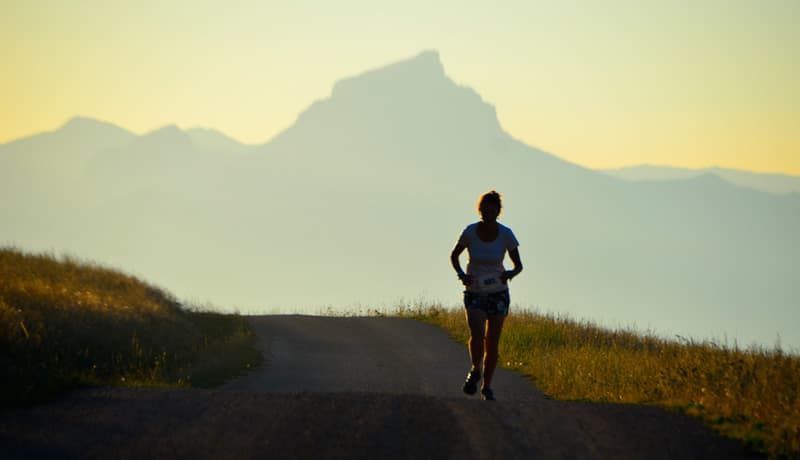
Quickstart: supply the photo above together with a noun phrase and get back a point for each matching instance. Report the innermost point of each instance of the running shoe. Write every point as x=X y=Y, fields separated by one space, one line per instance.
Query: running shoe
x=471 y=385
x=487 y=394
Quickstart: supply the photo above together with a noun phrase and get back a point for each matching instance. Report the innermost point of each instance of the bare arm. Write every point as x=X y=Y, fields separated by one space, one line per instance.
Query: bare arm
x=465 y=279
x=508 y=274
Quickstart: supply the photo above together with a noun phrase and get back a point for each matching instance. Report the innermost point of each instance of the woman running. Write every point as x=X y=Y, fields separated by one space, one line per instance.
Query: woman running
x=486 y=297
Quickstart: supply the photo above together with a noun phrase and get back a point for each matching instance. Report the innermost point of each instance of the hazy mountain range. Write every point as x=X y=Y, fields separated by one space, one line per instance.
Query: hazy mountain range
x=360 y=201
x=772 y=183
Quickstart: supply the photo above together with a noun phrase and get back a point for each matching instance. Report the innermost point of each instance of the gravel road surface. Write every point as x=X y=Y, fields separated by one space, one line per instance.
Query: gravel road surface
x=351 y=388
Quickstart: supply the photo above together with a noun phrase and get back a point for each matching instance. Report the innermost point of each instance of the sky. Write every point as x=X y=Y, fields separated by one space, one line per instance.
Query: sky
x=602 y=83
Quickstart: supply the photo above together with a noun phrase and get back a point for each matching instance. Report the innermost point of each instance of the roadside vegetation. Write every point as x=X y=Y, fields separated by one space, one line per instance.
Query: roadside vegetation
x=65 y=323
x=752 y=395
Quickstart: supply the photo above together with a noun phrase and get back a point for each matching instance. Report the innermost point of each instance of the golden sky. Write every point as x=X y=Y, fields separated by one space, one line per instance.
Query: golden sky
x=601 y=83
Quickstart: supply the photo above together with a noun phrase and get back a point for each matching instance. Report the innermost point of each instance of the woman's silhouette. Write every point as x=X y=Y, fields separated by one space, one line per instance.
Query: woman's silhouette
x=486 y=297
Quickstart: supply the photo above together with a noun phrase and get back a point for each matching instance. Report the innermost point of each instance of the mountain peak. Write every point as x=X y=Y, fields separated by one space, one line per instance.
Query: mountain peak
x=412 y=96
x=80 y=124
x=423 y=69
x=166 y=130
x=427 y=60
x=167 y=138
x=80 y=132
x=213 y=141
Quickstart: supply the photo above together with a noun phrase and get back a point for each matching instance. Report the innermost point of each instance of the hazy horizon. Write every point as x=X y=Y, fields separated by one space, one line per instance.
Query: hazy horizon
x=360 y=201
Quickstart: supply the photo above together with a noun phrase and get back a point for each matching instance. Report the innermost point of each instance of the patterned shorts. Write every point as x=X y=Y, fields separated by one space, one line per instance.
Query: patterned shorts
x=495 y=303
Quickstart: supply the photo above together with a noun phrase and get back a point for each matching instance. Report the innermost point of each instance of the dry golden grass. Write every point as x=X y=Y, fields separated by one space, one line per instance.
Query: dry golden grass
x=751 y=395
x=66 y=323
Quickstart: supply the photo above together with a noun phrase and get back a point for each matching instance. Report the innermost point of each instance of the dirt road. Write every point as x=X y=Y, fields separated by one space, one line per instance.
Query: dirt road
x=350 y=388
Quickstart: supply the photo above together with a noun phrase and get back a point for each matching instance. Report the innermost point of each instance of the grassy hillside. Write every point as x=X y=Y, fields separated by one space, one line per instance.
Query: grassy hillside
x=66 y=323
x=751 y=395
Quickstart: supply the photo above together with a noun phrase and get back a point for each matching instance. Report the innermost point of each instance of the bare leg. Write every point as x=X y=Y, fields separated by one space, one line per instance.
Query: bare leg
x=492 y=342
x=476 y=319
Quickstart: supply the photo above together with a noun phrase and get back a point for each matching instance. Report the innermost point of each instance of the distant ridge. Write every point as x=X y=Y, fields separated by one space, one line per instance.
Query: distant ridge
x=210 y=140
x=86 y=125
x=169 y=134
x=85 y=131
x=765 y=182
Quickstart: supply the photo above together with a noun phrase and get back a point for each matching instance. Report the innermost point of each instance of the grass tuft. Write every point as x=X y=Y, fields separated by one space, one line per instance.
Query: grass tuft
x=65 y=323
x=752 y=395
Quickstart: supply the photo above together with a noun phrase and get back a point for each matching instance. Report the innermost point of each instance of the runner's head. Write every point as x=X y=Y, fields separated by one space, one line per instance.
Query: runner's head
x=490 y=206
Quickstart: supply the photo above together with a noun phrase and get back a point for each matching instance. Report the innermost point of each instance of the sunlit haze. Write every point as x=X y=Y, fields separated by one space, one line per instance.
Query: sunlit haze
x=600 y=83
x=371 y=132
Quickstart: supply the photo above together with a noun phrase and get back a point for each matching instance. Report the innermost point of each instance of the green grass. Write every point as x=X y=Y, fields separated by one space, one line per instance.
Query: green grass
x=751 y=395
x=66 y=323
